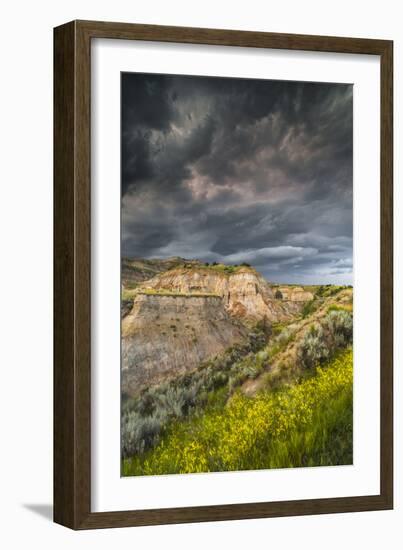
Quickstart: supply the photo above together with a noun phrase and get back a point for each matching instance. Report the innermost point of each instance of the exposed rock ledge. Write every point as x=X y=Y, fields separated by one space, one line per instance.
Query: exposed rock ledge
x=245 y=293
x=164 y=336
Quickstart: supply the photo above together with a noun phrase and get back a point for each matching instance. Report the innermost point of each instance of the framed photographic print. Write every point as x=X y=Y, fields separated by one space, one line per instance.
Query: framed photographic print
x=222 y=275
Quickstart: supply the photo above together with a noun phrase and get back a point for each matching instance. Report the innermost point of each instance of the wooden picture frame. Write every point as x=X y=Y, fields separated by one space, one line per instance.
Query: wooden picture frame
x=72 y=269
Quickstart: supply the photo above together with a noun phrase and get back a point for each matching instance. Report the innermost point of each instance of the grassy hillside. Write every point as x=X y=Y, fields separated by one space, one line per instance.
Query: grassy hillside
x=308 y=424
x=286 y=394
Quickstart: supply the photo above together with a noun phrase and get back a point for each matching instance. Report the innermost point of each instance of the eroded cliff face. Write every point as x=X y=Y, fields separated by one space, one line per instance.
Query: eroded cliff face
x=295 y=294
x=164 y=336
x=245 y=293
x=185 y=315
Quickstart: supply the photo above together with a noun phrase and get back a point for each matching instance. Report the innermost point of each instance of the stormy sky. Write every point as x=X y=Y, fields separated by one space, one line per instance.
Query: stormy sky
x=234 y=170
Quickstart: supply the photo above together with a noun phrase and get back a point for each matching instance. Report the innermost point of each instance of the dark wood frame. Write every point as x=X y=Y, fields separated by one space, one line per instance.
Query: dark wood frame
x=72 y=319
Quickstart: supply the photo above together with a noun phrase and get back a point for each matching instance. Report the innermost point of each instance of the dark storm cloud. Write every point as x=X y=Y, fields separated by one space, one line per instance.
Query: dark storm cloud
x=239 y=170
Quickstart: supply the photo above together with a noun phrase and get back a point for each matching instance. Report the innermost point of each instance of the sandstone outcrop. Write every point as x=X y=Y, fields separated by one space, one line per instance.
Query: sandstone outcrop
x=167 y=335
x=295 y=294
x=244 y=292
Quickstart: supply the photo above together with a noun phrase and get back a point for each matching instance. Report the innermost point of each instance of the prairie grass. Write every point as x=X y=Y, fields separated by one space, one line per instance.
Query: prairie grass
x=340 y=307
x=307 y=424
x=225 y=268
x=128 y=293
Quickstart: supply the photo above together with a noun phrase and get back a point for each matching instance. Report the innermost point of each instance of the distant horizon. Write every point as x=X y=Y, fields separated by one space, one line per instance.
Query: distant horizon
x=287 y=282
x=238 y=170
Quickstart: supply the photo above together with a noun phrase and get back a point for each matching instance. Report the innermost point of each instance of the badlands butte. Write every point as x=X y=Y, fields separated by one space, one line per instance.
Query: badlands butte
x=178 y=313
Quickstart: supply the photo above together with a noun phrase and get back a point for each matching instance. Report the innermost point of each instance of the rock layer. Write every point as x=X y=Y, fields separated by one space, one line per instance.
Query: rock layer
x=295 y=294
x=164 y=336
x=245 y=293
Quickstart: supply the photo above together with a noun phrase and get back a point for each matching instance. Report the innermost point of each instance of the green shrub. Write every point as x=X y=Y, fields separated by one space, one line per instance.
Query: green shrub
x=140 y=433
x=280 y=342
x=320 y=291
x=321 y=341
x=313 y=349
x=309 y=308
x=264 y=326
x=340 y=326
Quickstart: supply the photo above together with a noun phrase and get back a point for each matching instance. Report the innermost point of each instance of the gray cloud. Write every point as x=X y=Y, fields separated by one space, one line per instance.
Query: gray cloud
x=239 y=170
